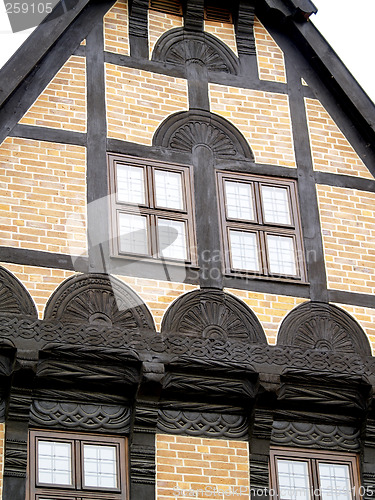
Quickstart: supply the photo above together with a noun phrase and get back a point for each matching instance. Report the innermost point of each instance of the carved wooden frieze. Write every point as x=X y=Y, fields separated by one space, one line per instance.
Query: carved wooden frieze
x=14 y=298
x=309 y=435
x=210 y=425
x=213 y=314
x=99 y=300
x=85 y=417
x=323 y=326
x=184 y=130
x=15 y=462
x=200 y=385
x=179 y=46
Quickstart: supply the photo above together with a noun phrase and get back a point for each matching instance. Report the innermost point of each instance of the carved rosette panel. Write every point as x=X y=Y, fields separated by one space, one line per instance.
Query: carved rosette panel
x=307 y=435
x=323 y=326
x=86 y=417
x=184 y=130
x=14 y=298
x=178 y=46
x=212 y=315
x=210 y=425
x=99 y=300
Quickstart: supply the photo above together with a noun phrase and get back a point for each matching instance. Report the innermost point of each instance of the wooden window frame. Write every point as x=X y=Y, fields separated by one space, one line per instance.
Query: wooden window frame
x=77 y=490
x=150 y=208
x=260 y=227
x=313 y=458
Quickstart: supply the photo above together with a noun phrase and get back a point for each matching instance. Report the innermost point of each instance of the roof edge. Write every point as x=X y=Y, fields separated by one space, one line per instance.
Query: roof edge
x=36 y=45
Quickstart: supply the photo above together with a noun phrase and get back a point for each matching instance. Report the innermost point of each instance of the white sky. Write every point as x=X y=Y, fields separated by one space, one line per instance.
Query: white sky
x=348 y=26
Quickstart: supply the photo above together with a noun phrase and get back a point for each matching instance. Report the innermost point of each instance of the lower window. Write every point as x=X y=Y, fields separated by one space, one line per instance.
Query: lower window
x=66 y=466
x=313 y=475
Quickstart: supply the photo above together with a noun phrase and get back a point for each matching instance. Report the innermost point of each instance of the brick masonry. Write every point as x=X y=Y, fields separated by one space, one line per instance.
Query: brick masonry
x=116 y=25
x=40 y=282
x=158 y=295
x=262 y=117
x=269 y=309
x=43 y=196
x=331 y=151
x=347 y=219
x=271 y=65
x=365 y=317
x=63 y=102
x=158 y=24
x=138 y=101
x=196 y=467
x=223 y=31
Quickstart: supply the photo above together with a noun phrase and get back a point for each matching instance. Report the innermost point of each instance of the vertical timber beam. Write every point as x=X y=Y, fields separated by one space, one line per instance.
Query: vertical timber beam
x=138 y=29
x=308 y=200
x=142 y=442
x=17 y=428
x=260 y=452
x=207 y=219
x=194 y=15
x=97 y=177
x=246 y=40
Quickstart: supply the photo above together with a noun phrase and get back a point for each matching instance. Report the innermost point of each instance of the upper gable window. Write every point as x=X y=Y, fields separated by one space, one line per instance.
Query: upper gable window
x=260 y=226
x=167 y=6
x=313 y=475
x=151 y=209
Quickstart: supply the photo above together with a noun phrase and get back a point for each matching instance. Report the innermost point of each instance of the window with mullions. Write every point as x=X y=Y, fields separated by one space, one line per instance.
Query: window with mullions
x=76 y=467
x=260 y=222
x=151 y=209
x=314 y=475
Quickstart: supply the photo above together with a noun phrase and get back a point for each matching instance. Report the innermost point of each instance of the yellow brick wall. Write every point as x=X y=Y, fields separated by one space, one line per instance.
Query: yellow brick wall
x=262 y=117
x=365 y=317
x=40 y=282
x=331 y=151
x=158 y=24
x=2 y=442
x=43 y=196
x=116 y=36
x=190 y=467
x=271 y=65
x=158 y=295
x=269 y=309
x=347 y=219
x=63 y=102
x=223 y=31
x=138 y=101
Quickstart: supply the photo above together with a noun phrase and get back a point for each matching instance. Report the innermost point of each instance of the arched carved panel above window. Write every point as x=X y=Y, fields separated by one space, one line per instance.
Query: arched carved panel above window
x=14 y=298
x=316 y=325
x=213 y=314
x=178 y=46
x=184 y=130
x=100 y=300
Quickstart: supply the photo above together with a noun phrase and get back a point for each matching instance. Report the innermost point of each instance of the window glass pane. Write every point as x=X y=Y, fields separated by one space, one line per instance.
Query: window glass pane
x=130 y=184
x=244 y=251
x=172 y=239
x=281 y=254
x=100 y=466
x=293 y=480
x=335 y=481
x=239 y=199
x=276 y=205
x=54 y=463
x=168 y=187
x=133 y=234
